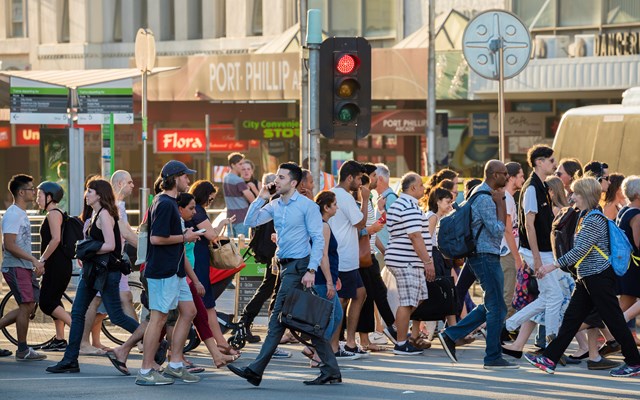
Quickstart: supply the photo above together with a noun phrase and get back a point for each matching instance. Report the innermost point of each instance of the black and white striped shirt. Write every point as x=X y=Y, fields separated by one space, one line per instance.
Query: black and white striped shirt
x=592 y=230
x=405 y=217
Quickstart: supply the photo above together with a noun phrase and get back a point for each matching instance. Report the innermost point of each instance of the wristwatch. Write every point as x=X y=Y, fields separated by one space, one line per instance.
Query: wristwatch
x=311 y=271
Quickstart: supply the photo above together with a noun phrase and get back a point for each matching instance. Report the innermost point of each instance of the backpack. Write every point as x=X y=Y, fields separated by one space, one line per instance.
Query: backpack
x=619 y=245
x=261 y=244
x=71 y=232
x=455 y=236
x=563 y=230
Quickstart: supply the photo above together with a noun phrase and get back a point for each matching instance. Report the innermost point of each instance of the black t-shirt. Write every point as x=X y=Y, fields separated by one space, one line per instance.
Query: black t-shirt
x=164 y=221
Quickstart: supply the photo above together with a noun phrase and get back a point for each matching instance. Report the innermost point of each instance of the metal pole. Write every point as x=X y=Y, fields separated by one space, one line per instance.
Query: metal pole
x=144 y=190
x=304 y=84
x=431 y=94
x=314 y=39
x=502 y=144
x=207 y=151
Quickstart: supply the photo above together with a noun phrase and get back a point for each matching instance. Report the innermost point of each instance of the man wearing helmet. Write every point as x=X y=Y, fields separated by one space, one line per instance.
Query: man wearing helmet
x=57 y=266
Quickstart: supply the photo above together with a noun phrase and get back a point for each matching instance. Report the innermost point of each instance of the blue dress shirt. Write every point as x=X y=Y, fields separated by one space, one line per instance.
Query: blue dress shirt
x=298 y=224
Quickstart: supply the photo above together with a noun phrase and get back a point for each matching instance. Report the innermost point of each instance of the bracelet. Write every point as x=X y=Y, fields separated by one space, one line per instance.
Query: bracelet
x=184 y=238
x=430 y=262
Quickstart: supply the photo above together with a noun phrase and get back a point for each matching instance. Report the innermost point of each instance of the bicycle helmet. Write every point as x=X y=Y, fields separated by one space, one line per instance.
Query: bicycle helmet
x=53 y=189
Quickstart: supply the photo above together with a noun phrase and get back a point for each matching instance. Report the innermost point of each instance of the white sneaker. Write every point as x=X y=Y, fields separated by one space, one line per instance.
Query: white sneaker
x=378 y=338
x=279 y=353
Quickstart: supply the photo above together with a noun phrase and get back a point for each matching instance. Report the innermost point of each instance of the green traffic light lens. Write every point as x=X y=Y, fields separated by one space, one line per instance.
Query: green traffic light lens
x=348 y=112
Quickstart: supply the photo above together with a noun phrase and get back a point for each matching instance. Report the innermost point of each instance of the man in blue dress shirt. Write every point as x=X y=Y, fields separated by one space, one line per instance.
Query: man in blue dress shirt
x=300 y=242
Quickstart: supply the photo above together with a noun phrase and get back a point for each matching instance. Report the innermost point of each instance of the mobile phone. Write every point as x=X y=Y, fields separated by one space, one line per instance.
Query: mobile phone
x=201 y=231
x=383 y=219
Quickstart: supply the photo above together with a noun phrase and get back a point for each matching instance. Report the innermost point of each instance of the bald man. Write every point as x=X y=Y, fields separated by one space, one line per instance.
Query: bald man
x=489 y=213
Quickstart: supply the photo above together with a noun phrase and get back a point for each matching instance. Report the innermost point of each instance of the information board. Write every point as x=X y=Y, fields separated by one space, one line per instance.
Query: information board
x=38 y=103
x=248 y=281
x=97 y=102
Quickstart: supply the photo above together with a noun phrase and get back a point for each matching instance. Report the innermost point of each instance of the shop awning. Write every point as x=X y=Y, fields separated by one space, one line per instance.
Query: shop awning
x=449 y=30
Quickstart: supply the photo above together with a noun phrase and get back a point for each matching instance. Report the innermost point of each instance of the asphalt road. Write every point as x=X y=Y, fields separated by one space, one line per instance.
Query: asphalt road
x=381 y=376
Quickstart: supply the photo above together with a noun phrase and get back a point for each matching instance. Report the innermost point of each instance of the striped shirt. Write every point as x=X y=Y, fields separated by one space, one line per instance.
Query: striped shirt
x=372 y=217
x=237 y=204
x=405 y=217
x=588 y=233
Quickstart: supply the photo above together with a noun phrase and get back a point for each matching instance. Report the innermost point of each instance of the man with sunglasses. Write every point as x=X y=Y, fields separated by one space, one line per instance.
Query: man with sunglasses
x=19 y=267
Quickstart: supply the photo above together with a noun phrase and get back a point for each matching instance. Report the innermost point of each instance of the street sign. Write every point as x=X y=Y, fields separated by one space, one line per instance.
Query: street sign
x=487 y=34
x=497 y=46
x=95 y=104
x=38 y=103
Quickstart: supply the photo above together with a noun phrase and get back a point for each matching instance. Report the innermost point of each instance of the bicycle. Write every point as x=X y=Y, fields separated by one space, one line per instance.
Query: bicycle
x=41 y=327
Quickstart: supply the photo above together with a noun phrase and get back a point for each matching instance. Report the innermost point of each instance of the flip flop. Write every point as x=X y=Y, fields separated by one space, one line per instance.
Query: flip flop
x=5 y=353
x=119 y=365
x=94 y=352
x=316 y=364
x=195 y=369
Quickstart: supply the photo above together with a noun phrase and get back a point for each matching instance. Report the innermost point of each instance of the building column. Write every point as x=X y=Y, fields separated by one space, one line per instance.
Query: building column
x=238 y=18
x=213 y=16
x=273 y=17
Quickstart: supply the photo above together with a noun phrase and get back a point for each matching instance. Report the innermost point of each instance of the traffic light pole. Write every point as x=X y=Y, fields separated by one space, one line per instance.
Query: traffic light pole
x=430 y=163
x=314 y=40
x=304 y=85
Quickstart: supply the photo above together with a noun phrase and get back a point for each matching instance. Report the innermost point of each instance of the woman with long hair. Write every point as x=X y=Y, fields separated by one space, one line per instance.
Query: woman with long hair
x=204 y=194
x=569 y=169
x=595 y=287
x=104 y=229
x=557 y=194
x=613 y=199
x=327 y=283
x=57 y=266
x=187 y=208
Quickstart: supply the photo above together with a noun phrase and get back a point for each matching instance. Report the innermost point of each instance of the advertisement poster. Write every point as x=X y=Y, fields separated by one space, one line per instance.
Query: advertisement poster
x=54 y=165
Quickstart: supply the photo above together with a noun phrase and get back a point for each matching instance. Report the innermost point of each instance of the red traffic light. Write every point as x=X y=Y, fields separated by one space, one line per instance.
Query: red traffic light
x=347 y=64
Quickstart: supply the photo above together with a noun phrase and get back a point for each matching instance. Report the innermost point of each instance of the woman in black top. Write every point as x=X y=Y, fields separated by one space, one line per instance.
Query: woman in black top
x=103 y=228
x=248 y=169
x=57 y=266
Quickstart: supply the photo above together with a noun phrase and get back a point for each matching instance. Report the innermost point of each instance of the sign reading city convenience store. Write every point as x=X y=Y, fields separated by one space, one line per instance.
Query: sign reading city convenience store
x=97 y=102
x=35 y=102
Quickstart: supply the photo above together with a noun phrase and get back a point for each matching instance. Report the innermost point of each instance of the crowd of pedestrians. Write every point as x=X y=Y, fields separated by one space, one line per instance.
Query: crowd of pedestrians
x=371 y=249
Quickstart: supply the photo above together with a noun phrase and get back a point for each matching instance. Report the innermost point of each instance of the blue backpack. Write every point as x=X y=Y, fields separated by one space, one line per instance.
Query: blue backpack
x=455 y=236
x=619 y=245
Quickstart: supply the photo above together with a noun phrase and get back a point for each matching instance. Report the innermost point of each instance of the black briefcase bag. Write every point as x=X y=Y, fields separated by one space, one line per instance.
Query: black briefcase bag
x=305 y=312
x=441 y=302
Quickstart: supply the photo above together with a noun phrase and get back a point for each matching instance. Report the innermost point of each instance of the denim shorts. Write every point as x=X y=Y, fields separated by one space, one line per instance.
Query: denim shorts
x=164 y=294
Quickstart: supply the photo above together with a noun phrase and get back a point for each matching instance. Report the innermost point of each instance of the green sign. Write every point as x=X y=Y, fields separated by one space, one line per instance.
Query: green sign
x=251 y=129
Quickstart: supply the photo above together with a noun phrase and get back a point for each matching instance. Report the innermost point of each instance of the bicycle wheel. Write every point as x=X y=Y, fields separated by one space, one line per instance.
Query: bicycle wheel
x=115 y=333
x=41 y=326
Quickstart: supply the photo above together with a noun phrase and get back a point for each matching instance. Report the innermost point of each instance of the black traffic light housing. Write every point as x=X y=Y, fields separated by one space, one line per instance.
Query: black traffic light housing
x=345 y=87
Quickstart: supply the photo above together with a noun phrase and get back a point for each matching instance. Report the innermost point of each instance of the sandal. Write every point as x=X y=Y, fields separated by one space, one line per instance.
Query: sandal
x=228 y=350
x=119 y=365
x=309 y=354
x=316 y=364
x=288 y=339
x=420 y=343
x=374 y=348
x=225 y=361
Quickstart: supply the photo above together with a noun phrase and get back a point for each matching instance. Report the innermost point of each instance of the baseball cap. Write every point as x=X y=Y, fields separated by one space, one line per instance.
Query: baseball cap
x=175 y=167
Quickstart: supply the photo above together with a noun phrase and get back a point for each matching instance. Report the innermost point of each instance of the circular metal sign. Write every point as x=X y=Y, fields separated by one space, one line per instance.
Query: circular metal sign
x=145 y=50
x=483 y=37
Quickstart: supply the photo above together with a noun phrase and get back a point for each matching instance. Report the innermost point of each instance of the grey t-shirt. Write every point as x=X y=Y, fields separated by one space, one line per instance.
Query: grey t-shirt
x=16 y=221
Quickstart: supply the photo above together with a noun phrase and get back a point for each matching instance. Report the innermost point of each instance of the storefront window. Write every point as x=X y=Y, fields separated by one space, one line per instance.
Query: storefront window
x=622 y=11
x=579 y=12
x=344 y=17
x=536 y=13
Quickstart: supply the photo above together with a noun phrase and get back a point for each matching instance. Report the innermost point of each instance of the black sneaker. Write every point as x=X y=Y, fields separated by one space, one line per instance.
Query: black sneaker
x=448 y=345
x=500 y=363
x=342 y=354
x=251 y=338
x=391 y=333
x=55 y=345
x=603 y=364
x=407 y=349
x=356 y=350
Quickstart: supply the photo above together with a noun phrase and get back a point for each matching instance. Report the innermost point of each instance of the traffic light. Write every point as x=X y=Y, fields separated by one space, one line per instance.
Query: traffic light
x=345 y=87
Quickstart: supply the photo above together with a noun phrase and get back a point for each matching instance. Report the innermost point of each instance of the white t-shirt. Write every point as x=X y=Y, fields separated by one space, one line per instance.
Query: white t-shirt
x=530 y=201
x=343 y=227
x=16 y=221
x=512 y=210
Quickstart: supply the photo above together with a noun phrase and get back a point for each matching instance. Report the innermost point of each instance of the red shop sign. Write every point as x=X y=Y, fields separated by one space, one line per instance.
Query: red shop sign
x=27 y=135
x=193 y=141
x=5 y=137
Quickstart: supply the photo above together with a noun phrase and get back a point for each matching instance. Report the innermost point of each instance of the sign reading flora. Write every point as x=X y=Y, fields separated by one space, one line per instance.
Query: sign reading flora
x=38 y=103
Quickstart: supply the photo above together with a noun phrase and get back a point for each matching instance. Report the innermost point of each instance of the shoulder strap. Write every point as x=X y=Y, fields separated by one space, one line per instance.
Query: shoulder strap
x=476 y=194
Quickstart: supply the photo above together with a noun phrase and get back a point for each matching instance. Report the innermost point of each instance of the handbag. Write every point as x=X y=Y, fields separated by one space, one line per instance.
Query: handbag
x=442 y=301
x=224 y=253
x=364 y=246
x=305 y=312
x=526 y=289
x=143 y=239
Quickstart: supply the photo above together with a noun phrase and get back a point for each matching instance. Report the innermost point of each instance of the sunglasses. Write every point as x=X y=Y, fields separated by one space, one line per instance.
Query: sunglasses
x=603 y=178
x=558 y=174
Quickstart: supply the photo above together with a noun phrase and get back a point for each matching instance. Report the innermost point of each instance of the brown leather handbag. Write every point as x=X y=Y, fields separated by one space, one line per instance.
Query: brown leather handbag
x=364 y=245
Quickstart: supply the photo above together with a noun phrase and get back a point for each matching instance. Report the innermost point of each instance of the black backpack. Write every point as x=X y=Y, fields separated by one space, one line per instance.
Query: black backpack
x=71 y=232
x=261 y=244
x=563 y=230
x=455 y=236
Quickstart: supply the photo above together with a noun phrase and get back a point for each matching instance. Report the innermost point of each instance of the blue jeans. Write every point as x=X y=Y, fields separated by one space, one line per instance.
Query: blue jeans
x=336 y=315
x=488 y=271
x=110 y=299
x=291 y=274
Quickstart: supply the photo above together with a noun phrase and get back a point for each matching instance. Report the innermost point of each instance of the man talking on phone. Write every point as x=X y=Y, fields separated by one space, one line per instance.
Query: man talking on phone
x=300 y=242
